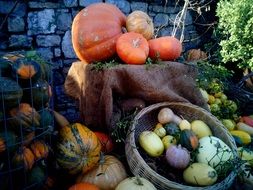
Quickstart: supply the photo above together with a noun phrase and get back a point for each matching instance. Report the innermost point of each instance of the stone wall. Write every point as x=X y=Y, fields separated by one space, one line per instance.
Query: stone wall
x=45 y=26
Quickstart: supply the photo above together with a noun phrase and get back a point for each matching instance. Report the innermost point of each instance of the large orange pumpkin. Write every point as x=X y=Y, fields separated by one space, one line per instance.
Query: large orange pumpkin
x=132 y=48
x=77 y=149
x=165 y=48
x=95 y=30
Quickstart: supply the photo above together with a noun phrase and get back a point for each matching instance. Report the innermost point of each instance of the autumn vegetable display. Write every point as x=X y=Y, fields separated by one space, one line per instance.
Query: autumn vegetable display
x=181 y=146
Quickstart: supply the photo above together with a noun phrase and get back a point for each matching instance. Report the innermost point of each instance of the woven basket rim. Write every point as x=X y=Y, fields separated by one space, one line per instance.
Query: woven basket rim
x=130 y=141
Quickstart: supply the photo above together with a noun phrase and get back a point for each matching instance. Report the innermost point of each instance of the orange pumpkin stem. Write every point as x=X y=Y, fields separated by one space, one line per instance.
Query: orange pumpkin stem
x=136 y=42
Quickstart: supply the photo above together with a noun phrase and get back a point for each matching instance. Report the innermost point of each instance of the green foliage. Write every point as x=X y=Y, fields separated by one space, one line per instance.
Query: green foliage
x=101 y=65
x=212 y=74
x=235 y=27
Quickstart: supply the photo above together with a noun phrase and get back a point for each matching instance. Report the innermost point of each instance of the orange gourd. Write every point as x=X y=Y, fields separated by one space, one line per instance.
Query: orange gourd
x=140 y=22
x=166 y=48
x=132 y=48
x=95 y=30
x=84 y=186
x=40 y=149
x=77 y=148
x=23 y=157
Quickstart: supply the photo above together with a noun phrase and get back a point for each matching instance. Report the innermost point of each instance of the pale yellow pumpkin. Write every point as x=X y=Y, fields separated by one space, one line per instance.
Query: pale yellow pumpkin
x=107 y=174
x=140 y=22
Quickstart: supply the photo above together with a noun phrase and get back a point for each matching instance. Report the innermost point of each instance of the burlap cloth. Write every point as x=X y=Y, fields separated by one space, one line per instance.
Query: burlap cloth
x=97 y=91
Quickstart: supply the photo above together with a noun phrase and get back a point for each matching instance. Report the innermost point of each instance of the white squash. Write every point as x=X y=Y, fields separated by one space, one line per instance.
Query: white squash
x=135 y=183
x=213 y=151
x=200 y=174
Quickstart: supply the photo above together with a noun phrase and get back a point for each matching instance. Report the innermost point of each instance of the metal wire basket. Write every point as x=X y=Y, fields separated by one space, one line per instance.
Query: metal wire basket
x=147 y=119
x=25 y=118
x=240 y=93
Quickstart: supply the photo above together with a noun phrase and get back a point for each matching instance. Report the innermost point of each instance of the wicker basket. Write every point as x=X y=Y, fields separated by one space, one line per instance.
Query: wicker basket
x=147 y=119
x=242 y=94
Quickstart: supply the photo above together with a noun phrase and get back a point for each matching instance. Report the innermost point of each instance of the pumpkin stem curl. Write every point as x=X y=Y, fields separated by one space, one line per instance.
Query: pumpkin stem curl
x=136 y=42
x=138 y=181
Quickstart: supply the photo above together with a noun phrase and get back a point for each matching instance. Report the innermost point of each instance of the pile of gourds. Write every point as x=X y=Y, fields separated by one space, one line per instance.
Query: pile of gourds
x=97 y=36
x=25 y=119
x=188 y=147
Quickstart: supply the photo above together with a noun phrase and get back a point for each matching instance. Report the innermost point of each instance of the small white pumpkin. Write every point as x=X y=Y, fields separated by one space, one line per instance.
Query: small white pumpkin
x=135 y=183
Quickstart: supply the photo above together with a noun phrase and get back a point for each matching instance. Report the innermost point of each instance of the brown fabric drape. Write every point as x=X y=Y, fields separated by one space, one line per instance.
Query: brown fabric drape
x=97 y=90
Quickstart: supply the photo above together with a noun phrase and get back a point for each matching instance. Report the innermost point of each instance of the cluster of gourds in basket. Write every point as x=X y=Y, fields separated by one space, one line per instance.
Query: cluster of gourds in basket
x=188 y=146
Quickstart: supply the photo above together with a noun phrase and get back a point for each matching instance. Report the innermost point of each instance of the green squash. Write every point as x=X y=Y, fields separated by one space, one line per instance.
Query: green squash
x=38 y=94
x=172 y=129
x=188 y=139
x=10 y=93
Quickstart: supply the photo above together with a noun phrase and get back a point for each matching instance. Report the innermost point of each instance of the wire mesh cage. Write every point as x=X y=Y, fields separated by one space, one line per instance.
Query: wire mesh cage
x=26 y=120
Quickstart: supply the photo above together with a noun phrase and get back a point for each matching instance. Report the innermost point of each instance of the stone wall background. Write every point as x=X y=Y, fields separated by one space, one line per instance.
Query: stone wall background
x=45 y=26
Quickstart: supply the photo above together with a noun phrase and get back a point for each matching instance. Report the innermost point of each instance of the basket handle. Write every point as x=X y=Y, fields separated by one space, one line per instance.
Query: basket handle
x=241 y=82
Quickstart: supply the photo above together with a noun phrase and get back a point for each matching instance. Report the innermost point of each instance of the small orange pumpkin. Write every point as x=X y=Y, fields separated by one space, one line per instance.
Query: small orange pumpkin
x=132 y=48
x=166 y=48
x=40 y=149
x=24 y=157
x=26 y=116
x=84 y=186
x=140 y=22
x=77 y=148
x=106 y=141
